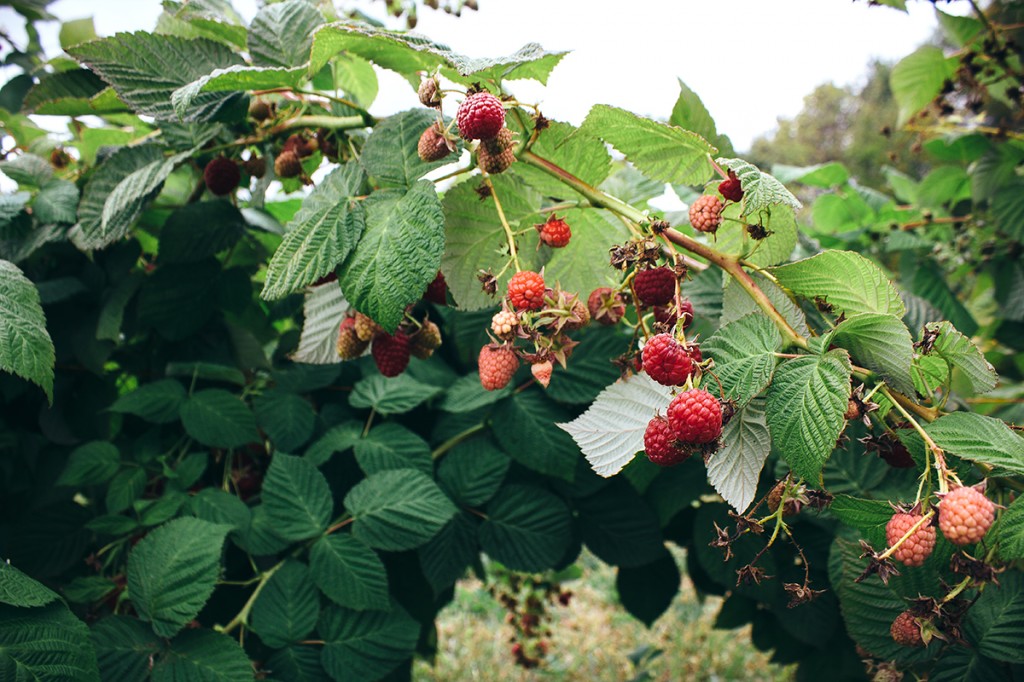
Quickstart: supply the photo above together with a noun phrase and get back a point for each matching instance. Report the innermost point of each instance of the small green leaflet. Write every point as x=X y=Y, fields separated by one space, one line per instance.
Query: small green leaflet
x=977 y=438
x=287 y=607
x=761 y=191
x=398 y=510
x=744 y=353
x=847 y=281
x=25 y=346
x=918 y=78
x=961 y=353
x=881 y=343
x=281 y=34
x=735 y=468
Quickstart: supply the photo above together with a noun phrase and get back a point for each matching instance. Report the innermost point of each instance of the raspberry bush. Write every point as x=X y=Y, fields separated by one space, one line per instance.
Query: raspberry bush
x=265 y=388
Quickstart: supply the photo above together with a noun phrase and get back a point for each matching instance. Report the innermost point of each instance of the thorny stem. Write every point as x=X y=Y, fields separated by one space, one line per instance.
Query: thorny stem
x=925 y=518
x=504 y=223
x=961 y=586
x=936 y=451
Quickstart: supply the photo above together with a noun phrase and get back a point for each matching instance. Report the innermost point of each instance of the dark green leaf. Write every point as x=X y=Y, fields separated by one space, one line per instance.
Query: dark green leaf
x=297 y=498
x=197 y=231
x=744 y=353
x=91 y=464
x=124 y=648
x=979 y=439
x=349 y=573
x=287 y=419
x=392 y=446
x=881 y=343
x=539 y=443
x=218 y=418
x=398 y=510
x=17 y=589
x=287 y=608
x=527 y=528
x=473 y=470
x=647 y=591
x=45 y=643
x=203 y=655
x=157 y=402
x=25 y=346
x=395 y=395
x=282 y=34
x=366 y=645
x=390 y=155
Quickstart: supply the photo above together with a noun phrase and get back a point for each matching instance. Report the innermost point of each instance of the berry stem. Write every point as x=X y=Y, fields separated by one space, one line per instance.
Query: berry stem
x=242 y=616
x=913 y=529
x=932 y=447
x=444 y=447
x=509 y=237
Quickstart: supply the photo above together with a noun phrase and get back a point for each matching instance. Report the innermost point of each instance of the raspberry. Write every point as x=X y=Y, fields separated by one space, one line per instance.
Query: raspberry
x=693 y=350
x=260 y=110
x=287 y=164
x=391 y=353
x=221 y=176
x=497 y=366
x=255 y=166
x=731 y=188
x=437 y=291
x=433 y=145
x=428 y=93
x=606 y=306
x=496 y=155
x=918 y=546
x=300 y=145
x=965 y=515
x=660 y=444
x=666 y=361
x=555 y=232
x=504 y=324
x=327 y=145
x=656 y=286
x=366 y=328
x=905 y=631
x=349 y=345
x=706 y=213
x=480 y=116
x=542 y=372
x=695 y=416
x=425 y=341
x=526 y=290
x=579 y=316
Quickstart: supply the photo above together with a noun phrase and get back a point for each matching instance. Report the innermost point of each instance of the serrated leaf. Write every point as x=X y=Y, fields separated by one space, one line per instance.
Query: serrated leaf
x=398 y=255
x=287 y=607
x=125 y=202
x=145 y=69
x=395 y=395
x=175 y=300
x=298 y=664
x=744 y=354
x=527 y=528
x=689 y=113
x=761 y=191
x=197 y=231
x=647 y=591
x=398 y=510
x=297 y=498
x=45 y=643
x=25 y=346
x=68 y=93
x=392 y=446
x=17 y=589
x=282 y=34
x=233 y=78
x=881 y=343
x=27 y=170
x=473 y=471
x=620 y=527
x=584 y=156
x=592 y=367
x=390 y=154
x=995 y=623
x=736 y=467
x=806 y=403
x=737 y=303
x=445 y=558
x=91 y=464
x=1010 y=532
x=57 y=202
x=822 y=175
x=365 y=645
x=323 y=311
x=918 y=78
x=846 y=280
x=287 y=419
x=979 y=439
x=156 y=402
x=124 y=648
x=218 y=418
x=203 y=655
x=662 y=152
x=611 y=431
x=220 y=507
x=173 y=570
x=961 y=353
x=864 y=515
x=539 y=444
x=780 y=223
x=337 y=439
x=349 y=573
x=466 y=394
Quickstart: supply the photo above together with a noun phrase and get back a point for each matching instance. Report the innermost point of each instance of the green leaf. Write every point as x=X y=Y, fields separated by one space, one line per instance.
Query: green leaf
x=864 y=515
x=124 y=648
x=287 y=607
x=979 y=439
x=220 y=507
x=45 y=643
x=349 y=573
x=390 y=155
x=392 y=446
x=287 y=419
x=620 y=527
x=356 y=77
x=611 y=431
x=298 y=664
x=323 y=311
x=761 y=191
x=91 y=464
x=338 y=439
x=744 y=353
x=398 y=510
x=929 y=282
x=76 y=31
x=881 y=343
x=218 y=418
x=918 y=78
x=944 y=187
x=591 y=368
x=126 y=487
x=1008 y=209
x=282 y=34
x=737 y=303
x=846 y=280
x=297 y=498
x=527 y=528
x=173 y=570
x=28 y=170
x=961 y=353
x=473 y=471
x=661 y=152
x=366 y=645
x=76 y=92
x=126 y=201
x=197 y=231
x=236 y=77
x=215 y=19
x=157 y=402
x=398 y=255
x=995 y=623
x=17 y=589
x=25 y=346
x=806 y=403
x=689 y=113
x=205 y=655
x=572 y=266
x=1010 y=532
x=647 y=591
x=466 y=395
x=57 y=202
x=396 y=395
x=539 y=443
x=585 y=157
x=445 y=558
x=145 y=69
x=736 y=467
x=732 y=237
x=175 y=300
x=822 y=175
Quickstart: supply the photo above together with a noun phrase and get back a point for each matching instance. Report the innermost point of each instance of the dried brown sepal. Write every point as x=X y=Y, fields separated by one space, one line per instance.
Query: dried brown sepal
x=818 y=499
x=659 y=226
x=488 y=282
x=751 y=575
x=723 y=540
x=746 y=524
x=483 y=191
x=758 y=232
x=884 y=568
x=976 y=569
x=800 y=594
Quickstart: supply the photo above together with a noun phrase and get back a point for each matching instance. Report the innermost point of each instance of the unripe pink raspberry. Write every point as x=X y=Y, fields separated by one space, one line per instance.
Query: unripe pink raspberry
x=706 y=213
x=916 y=548
x=965 y=515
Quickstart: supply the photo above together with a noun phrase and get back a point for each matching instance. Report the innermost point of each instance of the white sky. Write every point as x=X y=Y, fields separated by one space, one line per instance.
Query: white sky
x=749 y=60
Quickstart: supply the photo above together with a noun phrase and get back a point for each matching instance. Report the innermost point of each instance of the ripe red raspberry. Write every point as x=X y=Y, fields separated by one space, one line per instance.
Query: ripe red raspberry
x=666 y=360
x=287 y=164
x=606 y=306
x=542 y=372
x=526 y=290
x=695 y=416
x=497 y=366
x=391 y=353
x=555 y=232
x=918 y=546
x=656 y=286
x=432 y=145
x=965 y=515
x=706 y=213
x=480 y=116
x=905 y=631
x=349 y=345
x=660 y=444
x=437 y=291
x=496 y=155
x=221 y=176
x=731 y=188
x=424 y=342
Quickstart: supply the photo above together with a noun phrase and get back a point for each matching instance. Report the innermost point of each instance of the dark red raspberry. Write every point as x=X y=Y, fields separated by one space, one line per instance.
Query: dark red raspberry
x=555 y=232
x=391 y=353
x=916 y=548
x=497 y=154
x=656 y=286
x=695 y=416
x=526 y=290
x=255 y=166
x=905 y=631
x=666 y=314
x=666 y=360
x=433 y=145
x=731 y=188
x=693 y=350
x=660 y=444
x=706 y=213
x=221 y=176
x=606 y=306
x=437 y=291
x=497 y=364
x=480 y=116
x=965 y=515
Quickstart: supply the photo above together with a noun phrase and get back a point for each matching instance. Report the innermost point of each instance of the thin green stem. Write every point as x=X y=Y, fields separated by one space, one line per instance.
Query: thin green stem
x=444 y=447
x=243 y=615
x=504 y=223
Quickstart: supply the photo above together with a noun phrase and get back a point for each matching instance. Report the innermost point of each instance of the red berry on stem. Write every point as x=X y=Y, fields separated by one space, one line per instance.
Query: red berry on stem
x=695 y=416
x=606 y=305
x=660 y=444
x=437 y=291
x=221 y=176
x=497 y=366
x=656 y=286
x=916 y=548
x=432 y=145
x=666 y=360
x=731 y=188
x=526 y=290
x=555 y=232
x=480 y=116
x=905 y=631
x=391 y=353
x=965 y=515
